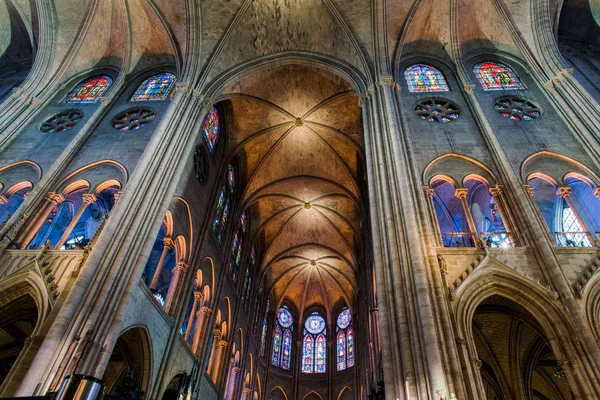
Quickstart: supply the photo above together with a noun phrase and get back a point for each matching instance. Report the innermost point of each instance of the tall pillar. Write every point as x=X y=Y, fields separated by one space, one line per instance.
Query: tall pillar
x=52 y=200
x=214 y=359
x=565 y=193
x=197 y=299
x=461 y=194
x=168 y=244
x=496 y=193
x=432 y=215
x=222 y=347
x=88 y=199
x=202 y=315
x=174 y=287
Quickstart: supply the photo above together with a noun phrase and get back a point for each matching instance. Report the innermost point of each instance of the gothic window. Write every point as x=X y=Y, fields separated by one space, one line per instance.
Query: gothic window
x=516 y=108
x=248 y=281
x=571 y=227
x=156 y=88
x=314 y=344
x=133 y=119
x=345 y=340
x=222 y=212
x=493 y=76
x=231 y=178
x=61 y=121
x=89 y=91
x=236 y=249
x=424 y=78
x=263 y=336
x=437 y=110
x=212 y=129
x=282 y=340
x=200 y=164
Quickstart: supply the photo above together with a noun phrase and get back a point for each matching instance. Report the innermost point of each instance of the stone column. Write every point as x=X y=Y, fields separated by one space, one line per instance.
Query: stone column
x=202 y=316
x=214 y=360
x=496 y=193
x=233 y=373
x=168 y=244
x=197 y=299
x=433 y=216
x=178 y=272
x=461 y=193
x=221 y=356
x=565 y=193
x=88 y=199
x=52 y=200
x=247 y=394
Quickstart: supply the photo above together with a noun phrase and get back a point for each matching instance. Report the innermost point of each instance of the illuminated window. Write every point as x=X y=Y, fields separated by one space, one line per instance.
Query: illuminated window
x=314 y=348
x=212 y=129
x=493 y=76
x=89 y=91
x=157 y=88
x=423 y=78
x=263 y=337
x=282 y=340
x=345 y=340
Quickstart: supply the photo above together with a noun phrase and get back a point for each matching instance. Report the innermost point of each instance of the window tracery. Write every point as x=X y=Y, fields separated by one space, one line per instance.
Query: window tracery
x=61 y=121
x=90 y=90
x=222 y=210
x=314 y=348
x=345 y=340
x=237 y=248
x=424 y=78
x=517 y=108
x=282 y=340
x=437 y=110
x=133 y=119
x=494 y=76
x=212 y=129
x=156 y=88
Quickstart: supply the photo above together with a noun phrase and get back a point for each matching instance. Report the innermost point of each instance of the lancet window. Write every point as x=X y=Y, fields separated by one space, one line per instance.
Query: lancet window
x=237 y=247
x=494 y=76
x=90 y=90
x=263 y=336
x=212 y=129
x=248 y=281
x=156 y=88
x=223 y=204
x=314 y=349
x=345 y=340
x=424 y=78
x=282 y=339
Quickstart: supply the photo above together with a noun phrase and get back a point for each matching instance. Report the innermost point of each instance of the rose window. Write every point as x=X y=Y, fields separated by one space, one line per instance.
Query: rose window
x=517 y=109
x=61 y=121
x=133 y=119
x=437 y=110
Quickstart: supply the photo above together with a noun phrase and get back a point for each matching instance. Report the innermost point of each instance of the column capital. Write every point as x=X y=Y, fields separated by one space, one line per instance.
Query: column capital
x=117 y=195
x=528 y=188
x=235 y=370
x=168 y=241
x=496 y=190
x=461 y=192
x=206 y=310
x=198 y=295
x=89 y=198
x=217 y=333
x=3 y=199
x=597 y=192
x=389 y=81
x=469 y=88
x=563 y=191
x=222 y=344
x=182 y=266
x=55 y=198
x=429 y=191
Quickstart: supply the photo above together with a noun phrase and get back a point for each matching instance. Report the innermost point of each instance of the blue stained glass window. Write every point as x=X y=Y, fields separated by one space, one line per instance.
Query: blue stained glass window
x=424 y=78
x=90 y=90
x=237 y=248
x=231 y=178
x=314 y=356
x=156 y=88
x=345 y=340
x=282 y=340
x=263 y=338
x=212 y=129
x=493 y=76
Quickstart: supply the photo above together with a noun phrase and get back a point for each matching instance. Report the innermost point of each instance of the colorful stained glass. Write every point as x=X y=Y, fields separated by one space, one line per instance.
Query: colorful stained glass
x=212 y=129
x=493 y=76
x=276 y=346
x=344 y=319
x=423 y=78
x=89 y=91
x=243 y=222
x=263 y=339
x=223 y=223
x=341 y=351
x=219 y=212
x=231 y=180
x=307 y=354
x=350 y=348
x=156 y=88
x=320 y=356
x=315 y=324
x=284 y=317
x=286 y=350
x=253 y=255
x=247 y=290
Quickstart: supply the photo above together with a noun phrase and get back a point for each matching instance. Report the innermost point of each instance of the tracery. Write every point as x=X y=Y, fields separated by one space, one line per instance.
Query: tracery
x=282 y=339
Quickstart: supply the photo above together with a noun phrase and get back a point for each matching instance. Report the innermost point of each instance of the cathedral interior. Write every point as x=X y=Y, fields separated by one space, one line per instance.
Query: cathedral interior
x=299 y=199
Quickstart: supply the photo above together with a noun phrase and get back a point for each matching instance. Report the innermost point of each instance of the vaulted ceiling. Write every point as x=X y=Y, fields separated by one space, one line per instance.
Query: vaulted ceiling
x=297 y=133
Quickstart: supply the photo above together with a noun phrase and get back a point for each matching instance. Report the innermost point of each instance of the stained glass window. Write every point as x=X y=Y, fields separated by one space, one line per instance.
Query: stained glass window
x=345 y=340
x=493 y=76
x=221 y=214
x=253 y=255
x=314 y=349
x=263 y=338
x=423 y=78
x=156 y=88
x=237 y=248
x=282 y=340
x=231 y=178
x=212 y=129
x=247 y=289
x=89 y=91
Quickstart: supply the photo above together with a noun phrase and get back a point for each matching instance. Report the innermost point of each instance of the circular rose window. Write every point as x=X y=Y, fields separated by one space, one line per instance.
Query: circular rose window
x=437 y=110
x=133 y=119
x=517 y=108
x=61 y=121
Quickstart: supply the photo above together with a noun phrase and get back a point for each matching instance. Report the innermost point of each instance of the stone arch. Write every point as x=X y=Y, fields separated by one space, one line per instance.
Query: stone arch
x=556 y=168
x=312 y=395
x=172 y=390
x=277 y=393
x=591 y=295
x=457 y=168
x=22 y=171
x=496 y=281
x=97 y=173
x=346 y=393
x=132 y=357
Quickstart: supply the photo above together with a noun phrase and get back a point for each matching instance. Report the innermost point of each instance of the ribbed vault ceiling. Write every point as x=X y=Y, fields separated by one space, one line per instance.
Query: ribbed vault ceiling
x=297 y=131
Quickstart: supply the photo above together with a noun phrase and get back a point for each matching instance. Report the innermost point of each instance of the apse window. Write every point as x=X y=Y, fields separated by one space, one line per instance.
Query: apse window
x=424 y=78
x=90 y=90
x=212 y=129
x=61 y=121
x=282 y=339
x=314 y=348
x=156 y=88
x=493 y=76
x=437 y=110
x=345 y=340
x=133 y=119
x=517 y=108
